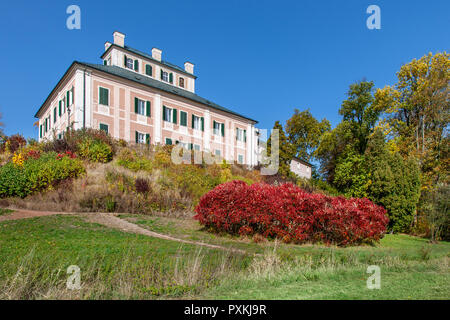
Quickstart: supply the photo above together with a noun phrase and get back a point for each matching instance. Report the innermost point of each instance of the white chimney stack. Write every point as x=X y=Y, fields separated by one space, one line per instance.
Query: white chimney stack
x=107 y=45
x=189 y=67
x=156 y=54
x=119 y=38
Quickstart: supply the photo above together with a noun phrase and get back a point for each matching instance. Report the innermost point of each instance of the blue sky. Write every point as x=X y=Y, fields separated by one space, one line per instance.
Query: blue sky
x=259 y=58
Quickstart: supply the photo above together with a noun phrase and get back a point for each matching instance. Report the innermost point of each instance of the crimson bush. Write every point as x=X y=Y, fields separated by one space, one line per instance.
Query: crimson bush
x=287 y=212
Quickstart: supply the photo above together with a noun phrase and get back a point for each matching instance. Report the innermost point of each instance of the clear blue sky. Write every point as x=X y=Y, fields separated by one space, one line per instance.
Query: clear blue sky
x=259 y=58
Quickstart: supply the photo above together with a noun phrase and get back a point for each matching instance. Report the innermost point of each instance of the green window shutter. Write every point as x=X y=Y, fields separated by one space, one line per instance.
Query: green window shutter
x=40 y=131
x=68 y=98
x=164 y=113
x=171 y=77
x=161 y=74
x=54 y=114
x=104 y=96
x=245 y=135
x=237 y=131
x=191 y=146
x=73 y=97
x=193 y=121
x=174 y=115
x=203 y=123
x=168 y=141
x=125 y=60
x=149 y=70
x=137 y=136
x=147 y=138
x=136 y=65
x=136 y=103
x=60 y=109
x=105 y=62
x=183 y=118
x=222 y=126
x=148 y=109
x=214 y=126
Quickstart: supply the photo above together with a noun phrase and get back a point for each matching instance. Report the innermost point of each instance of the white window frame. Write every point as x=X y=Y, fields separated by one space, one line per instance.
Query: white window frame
x=169 y=115
x=197 y=123
x=132 y=63
x=141 y=138
x=216 y=131
x=240 y=156
x=240 y=134
x=142 y=107
x=165 y=76
x=196 y=147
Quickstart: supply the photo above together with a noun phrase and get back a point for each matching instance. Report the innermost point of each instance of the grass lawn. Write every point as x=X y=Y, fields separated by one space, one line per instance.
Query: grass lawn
x=4 y=212
x=35 y=254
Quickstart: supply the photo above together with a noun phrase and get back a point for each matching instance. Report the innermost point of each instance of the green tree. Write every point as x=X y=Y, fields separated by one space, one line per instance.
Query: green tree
x=360 y=112
x=286 y=151
x=304 y=133
x=393 y=182
x=351 y=175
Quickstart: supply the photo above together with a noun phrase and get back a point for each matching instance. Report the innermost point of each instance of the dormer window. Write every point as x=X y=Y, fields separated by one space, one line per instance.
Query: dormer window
x=130 y=63
x=165 y=76
x=181 y=82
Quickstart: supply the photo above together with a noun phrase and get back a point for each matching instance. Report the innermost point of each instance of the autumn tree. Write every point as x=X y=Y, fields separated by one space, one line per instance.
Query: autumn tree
x=304 y=133
x=416 y=114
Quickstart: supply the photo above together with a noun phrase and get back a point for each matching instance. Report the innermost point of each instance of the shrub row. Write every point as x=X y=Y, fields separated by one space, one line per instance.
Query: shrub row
x=35 y=172
x=287 y=212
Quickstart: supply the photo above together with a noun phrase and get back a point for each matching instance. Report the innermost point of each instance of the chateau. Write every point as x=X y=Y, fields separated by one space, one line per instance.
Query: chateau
x=140 y=98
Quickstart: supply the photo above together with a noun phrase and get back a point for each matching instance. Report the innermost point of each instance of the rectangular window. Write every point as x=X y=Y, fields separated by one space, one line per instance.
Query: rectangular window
x=54 y=114
x=142 y=138
x=168 y=141
x=165 y=76
x=167 y=114
x=196 y=122
x=104 y=127
x=240 y=159
x=181 y=82
x=196 y=147
x=130 y=63
x=103 y=96
x=241 y=135
x=217 y=153
x=183 y=118
x=141 y=107
x=219 y=128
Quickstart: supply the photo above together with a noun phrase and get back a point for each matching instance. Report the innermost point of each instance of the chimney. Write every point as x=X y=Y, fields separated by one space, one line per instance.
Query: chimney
x=107 y=45
x=189 y=67
x=156 y=54
x=119 y=38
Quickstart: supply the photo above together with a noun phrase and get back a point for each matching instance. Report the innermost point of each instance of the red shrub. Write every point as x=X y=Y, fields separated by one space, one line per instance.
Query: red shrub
x=288 y=212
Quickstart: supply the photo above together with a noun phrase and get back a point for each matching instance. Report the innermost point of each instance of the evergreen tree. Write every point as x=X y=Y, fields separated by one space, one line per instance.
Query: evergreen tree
x=286 y=152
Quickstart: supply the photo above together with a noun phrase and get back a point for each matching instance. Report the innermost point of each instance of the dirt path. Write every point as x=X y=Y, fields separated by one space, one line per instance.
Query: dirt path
x=112 y=221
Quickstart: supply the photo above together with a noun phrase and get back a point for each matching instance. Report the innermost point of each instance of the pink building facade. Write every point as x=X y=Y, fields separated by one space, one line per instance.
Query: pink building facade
x=140 y=98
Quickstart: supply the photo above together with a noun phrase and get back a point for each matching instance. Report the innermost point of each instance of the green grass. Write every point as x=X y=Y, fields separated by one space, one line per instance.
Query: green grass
x=118 y=265
x=4 y=212
x=42 y=249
